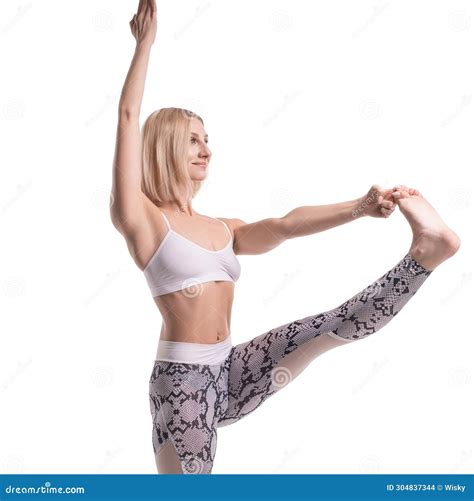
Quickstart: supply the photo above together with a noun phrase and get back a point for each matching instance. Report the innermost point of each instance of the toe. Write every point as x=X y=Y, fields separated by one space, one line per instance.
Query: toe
x=401 y=193
x=409 y=191
x=402 y=188
x=414 y=191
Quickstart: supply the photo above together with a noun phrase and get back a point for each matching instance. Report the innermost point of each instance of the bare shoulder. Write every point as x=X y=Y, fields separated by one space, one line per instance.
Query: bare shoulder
x=233 y=223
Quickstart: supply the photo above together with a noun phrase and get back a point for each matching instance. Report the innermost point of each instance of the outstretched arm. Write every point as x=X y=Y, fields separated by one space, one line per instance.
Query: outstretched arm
x=263 y=236
x=126 y=209
x=315 y=218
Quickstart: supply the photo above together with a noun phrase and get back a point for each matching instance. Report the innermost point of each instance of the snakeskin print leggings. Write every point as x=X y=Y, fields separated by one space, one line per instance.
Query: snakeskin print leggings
x=188 y=401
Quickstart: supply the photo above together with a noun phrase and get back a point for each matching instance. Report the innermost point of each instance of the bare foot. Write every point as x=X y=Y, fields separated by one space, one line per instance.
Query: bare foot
x=433 y=241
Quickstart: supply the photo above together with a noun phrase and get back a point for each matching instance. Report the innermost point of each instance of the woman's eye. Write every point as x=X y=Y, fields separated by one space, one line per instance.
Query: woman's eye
x=194 y=139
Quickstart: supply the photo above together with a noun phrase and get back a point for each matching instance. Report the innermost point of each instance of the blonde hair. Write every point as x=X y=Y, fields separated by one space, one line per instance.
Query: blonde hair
x=165 y=143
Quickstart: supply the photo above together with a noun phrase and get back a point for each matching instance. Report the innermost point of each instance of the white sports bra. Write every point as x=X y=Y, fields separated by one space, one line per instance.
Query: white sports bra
x=179 y=263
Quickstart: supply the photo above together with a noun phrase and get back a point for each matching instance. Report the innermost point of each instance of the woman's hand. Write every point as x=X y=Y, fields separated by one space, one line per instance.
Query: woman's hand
x=377 y=202
x=143 y=23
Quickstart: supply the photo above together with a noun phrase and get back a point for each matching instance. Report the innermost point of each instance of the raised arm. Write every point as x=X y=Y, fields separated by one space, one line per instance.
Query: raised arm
x=127 y=205
x=263 y=236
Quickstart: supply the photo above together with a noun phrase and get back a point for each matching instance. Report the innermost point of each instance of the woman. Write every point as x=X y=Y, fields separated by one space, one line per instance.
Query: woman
x=200 y=381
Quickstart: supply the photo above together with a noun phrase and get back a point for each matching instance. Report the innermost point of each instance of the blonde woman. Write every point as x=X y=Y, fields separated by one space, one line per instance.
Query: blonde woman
x=200 y=381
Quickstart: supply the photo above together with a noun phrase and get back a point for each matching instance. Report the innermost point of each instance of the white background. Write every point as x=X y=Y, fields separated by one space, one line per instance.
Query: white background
x=305 y=103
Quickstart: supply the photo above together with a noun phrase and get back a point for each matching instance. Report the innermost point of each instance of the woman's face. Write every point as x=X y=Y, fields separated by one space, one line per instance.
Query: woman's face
x=199 y=153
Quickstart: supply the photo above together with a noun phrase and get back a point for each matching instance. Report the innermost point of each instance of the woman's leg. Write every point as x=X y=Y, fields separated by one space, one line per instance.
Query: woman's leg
x=260 y=367
x=186 y=401
x=167 y=459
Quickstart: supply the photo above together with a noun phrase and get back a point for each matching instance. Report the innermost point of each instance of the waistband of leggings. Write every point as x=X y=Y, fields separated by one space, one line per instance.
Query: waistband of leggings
x=194 y=353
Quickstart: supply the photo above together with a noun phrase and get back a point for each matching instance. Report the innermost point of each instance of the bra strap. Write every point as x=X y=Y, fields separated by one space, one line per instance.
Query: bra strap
x=166 y=219
x=226 y=227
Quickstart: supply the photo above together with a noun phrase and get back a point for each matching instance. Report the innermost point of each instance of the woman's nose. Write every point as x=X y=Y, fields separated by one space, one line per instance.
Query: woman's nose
x=206 y=152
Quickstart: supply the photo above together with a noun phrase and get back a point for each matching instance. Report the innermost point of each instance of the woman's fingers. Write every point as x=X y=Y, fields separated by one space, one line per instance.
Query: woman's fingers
x=402 y=187
x=143 y=8
x=386 y=212
x=148 y=5
x=387 y=204
x=146 y=8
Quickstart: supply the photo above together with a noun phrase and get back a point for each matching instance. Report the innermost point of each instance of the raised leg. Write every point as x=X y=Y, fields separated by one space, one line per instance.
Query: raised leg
x=262 y=366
